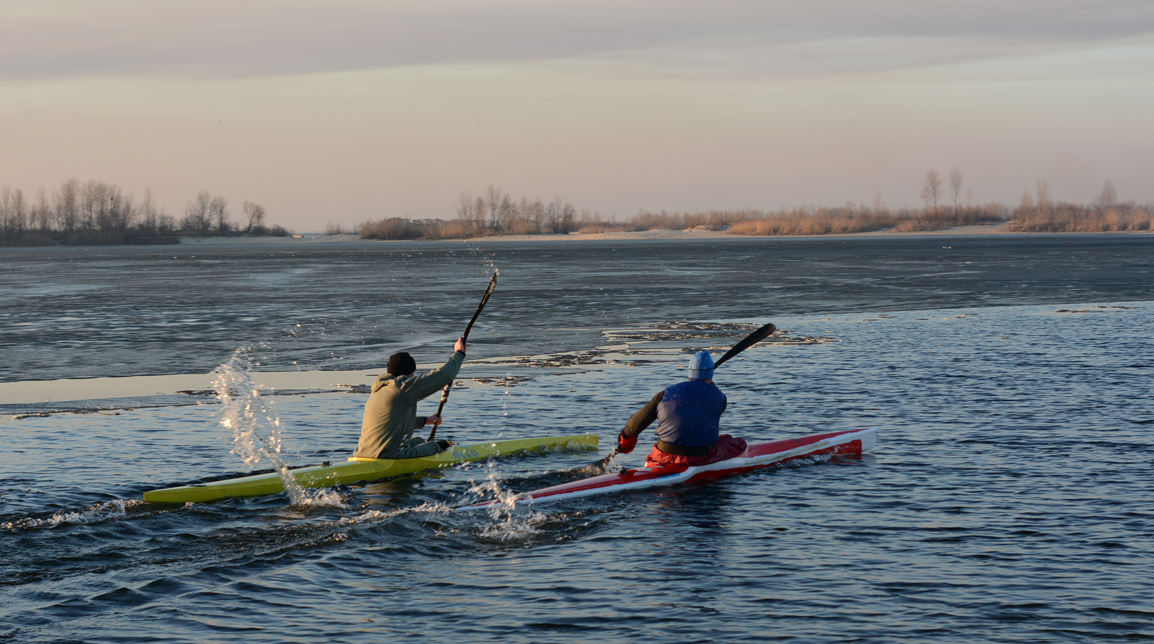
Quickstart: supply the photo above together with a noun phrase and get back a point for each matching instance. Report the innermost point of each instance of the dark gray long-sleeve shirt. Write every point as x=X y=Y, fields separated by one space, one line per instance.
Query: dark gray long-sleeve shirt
x=687 y=417
x=644 y=417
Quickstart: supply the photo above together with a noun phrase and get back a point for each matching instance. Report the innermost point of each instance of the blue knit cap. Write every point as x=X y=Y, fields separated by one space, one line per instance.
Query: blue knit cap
x=701 y=366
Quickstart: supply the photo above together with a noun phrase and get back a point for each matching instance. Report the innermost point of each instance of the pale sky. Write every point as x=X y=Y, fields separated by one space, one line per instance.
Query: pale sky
x=345 y=111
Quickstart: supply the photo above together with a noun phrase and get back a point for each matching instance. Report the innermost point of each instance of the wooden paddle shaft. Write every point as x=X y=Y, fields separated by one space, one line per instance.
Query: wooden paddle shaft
x=464 y=336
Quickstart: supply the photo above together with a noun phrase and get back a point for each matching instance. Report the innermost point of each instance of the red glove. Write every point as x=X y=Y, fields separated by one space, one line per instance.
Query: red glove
x=625 y=444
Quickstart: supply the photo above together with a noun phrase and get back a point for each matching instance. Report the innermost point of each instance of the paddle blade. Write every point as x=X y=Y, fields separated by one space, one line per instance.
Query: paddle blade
x=750 y=340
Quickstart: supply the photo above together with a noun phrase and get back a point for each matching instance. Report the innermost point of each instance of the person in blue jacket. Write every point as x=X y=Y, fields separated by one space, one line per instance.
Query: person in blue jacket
x=688 y=417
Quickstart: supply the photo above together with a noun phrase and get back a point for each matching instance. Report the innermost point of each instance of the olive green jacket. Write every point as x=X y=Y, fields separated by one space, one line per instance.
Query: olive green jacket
x=391 y=413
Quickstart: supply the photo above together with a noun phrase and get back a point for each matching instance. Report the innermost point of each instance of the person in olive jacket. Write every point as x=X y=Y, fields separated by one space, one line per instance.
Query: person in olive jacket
x=391 y=412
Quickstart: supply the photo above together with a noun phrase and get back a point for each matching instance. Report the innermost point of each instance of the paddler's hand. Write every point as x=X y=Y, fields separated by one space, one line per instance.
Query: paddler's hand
x=460 y=346
x=434 y=420
x=625 y=444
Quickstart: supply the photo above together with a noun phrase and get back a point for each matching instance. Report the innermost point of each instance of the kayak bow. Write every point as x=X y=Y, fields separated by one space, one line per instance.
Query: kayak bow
x=364 y=469
x=757 y=456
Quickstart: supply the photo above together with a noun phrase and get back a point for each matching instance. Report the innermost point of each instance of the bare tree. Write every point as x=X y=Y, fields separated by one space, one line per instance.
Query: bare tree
x=568 y=219
x=105 y=208
x=149 y=217
x=218 y=212
x=553 y=214
x=165 y=224
x=931 y=190
x=535 y=213
x=500 y=208
x=123 y=212
x=42 y=212
x=92 y=204
x=493 y=208
x=13 y=213
x=955 y=186
x=880 y=204
x=68 y=206
x=1043 y=191
x=1027 y=202
x=471 y=213
x=5 y=207
x=1108 y=197
x=19 y=212
x=196 y=214
x=465 y=208
x=254 y=216
x=115 y=214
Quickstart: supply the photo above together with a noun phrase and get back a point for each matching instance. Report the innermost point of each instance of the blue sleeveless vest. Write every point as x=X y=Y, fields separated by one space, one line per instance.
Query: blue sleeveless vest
x=689 y=414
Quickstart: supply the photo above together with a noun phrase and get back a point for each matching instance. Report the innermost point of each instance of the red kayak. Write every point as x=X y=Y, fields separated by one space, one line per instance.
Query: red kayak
x=759 y=455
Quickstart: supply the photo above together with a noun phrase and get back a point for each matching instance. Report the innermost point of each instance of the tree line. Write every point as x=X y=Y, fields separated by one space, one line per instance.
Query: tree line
x=98 y=213
x=492 y=213
x=944 y=205
x=946 y=202
x=1040 y=213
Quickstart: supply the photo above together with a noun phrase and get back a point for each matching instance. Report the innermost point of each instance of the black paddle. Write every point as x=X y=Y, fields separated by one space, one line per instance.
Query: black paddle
x=465 y=336
x=750 y=340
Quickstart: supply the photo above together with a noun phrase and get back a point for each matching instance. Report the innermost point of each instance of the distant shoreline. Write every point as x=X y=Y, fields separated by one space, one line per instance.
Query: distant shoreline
x=698 y=233
x=695 y=234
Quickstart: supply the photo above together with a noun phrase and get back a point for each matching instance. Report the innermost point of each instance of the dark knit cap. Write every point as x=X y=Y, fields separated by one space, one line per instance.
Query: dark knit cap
x=401 y=364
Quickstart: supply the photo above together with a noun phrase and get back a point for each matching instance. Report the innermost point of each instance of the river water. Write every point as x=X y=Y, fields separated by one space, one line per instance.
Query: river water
x=1009 y=498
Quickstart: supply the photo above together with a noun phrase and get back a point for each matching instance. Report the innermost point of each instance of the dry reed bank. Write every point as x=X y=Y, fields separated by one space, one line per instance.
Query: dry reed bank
x=496 y=213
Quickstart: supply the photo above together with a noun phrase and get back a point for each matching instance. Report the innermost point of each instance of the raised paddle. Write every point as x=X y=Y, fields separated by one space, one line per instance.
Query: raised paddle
x=465 y=336
x=750 y=340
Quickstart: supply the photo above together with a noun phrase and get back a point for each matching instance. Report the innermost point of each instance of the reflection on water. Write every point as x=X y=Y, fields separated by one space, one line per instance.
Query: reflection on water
x=1008 y=499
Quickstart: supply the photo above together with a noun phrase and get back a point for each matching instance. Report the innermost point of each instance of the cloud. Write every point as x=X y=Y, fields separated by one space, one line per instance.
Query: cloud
x=230 y=38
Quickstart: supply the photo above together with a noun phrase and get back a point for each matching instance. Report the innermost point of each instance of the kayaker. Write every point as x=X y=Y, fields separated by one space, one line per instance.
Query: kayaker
x=391 y=412
x=688 y=417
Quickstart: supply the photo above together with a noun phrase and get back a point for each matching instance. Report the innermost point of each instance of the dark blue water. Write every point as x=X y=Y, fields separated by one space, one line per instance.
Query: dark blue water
x=1008 y=500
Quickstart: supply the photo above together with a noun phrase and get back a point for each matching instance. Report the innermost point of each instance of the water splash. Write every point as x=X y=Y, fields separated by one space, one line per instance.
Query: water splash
x=510 y=520
x=490 y=264
x=256 y=429
x=109 y=510
x=486 y=257
x=505 y=403
x=372 y=517
x=603 y=466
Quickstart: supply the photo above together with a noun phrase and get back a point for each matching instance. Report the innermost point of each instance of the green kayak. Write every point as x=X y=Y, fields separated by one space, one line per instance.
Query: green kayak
x=364 y=469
